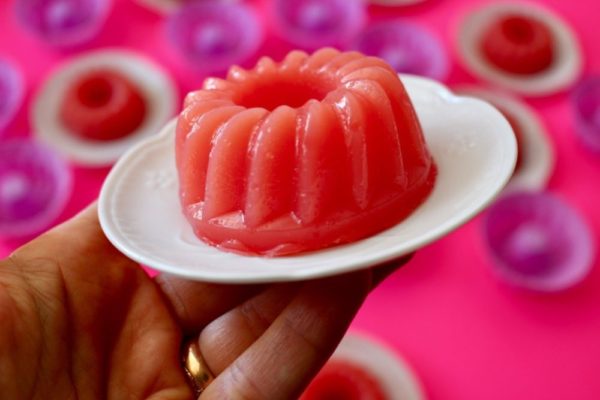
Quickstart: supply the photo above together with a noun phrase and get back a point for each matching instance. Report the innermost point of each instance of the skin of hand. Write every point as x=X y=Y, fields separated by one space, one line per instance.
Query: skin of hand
x=78 y=320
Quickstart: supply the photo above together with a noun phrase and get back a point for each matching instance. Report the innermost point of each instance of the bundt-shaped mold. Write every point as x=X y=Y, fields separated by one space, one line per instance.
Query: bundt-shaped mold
x=299 y=155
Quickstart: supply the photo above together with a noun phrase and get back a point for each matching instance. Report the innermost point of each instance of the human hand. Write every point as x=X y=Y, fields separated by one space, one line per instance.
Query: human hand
x=80 y=320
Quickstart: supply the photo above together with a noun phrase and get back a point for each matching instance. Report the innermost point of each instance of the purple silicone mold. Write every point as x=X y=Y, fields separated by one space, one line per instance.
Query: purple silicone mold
x=538 y=241
x=407 y=47
x=12 y=90
x=35 y=185
x=586 y=105
x=63 y=22
x=317 y=23
x=214 y=35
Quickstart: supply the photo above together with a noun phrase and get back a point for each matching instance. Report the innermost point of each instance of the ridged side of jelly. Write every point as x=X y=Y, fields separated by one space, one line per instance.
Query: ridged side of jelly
x=300 y=178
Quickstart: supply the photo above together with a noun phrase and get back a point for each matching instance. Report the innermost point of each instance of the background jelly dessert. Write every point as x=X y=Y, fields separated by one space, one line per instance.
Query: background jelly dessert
x=343 y=380
x=518 y=44
x=103 y=105
x=312 y=152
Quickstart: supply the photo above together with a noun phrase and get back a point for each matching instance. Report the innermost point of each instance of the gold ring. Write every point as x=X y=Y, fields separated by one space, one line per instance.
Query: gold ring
x=195 y=367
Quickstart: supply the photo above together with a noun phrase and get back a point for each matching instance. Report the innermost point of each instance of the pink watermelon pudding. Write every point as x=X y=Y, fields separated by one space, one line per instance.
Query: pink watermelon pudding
x=300 y=155
x=519 y=44
x=103 y=105
x=342 y=380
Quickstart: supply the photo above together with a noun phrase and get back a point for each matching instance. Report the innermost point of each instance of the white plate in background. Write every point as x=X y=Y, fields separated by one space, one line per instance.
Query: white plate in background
x=562 y=73
x=538 y=155
x=156 y=86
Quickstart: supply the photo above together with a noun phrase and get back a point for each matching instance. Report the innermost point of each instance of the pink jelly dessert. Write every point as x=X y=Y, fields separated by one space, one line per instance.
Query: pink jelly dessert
x=519 y=44
x=103 y=105
x=342 y=380
x=300 y=155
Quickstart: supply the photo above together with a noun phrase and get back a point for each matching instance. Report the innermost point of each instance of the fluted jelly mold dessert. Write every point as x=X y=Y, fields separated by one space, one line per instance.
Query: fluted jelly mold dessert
x=308 y=153
x=519 y=44
x=103 y=105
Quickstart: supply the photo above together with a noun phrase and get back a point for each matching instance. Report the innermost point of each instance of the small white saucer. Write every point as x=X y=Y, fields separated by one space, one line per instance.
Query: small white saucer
x=157 y=87
x=395 y=376
x=538 y=156
x=473 y=146
x=564 y=71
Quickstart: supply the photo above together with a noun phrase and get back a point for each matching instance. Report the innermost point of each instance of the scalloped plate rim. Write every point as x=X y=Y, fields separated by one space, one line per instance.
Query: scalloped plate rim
x=283 y=271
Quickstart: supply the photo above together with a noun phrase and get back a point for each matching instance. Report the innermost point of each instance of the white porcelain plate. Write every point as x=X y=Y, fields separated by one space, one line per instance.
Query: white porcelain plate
x=393 y=374
x=537 y=158
x=156 y=86
x=563 y=72
x=471 y=142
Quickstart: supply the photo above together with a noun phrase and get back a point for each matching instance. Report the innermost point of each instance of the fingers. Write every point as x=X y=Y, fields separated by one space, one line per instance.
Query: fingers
x=227 y=337
x=195 y=304
x=280 y=363
x=78 y=237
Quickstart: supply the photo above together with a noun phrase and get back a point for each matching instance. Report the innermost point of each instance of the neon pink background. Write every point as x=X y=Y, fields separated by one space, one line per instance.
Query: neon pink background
x=468 y=336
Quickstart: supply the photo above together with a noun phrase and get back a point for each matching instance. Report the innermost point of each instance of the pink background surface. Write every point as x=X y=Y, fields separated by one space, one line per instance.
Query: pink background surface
x=467 y=335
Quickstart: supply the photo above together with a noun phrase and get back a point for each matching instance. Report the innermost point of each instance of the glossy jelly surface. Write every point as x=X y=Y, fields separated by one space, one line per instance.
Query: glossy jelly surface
x=299 y=155
x=103 y=105
x=519 y=44
x=342 y=380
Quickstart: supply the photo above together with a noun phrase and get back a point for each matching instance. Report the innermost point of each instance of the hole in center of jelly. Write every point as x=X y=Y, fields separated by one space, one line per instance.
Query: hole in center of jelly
x=518 y=30
x=283 y=92
x=95 y=92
